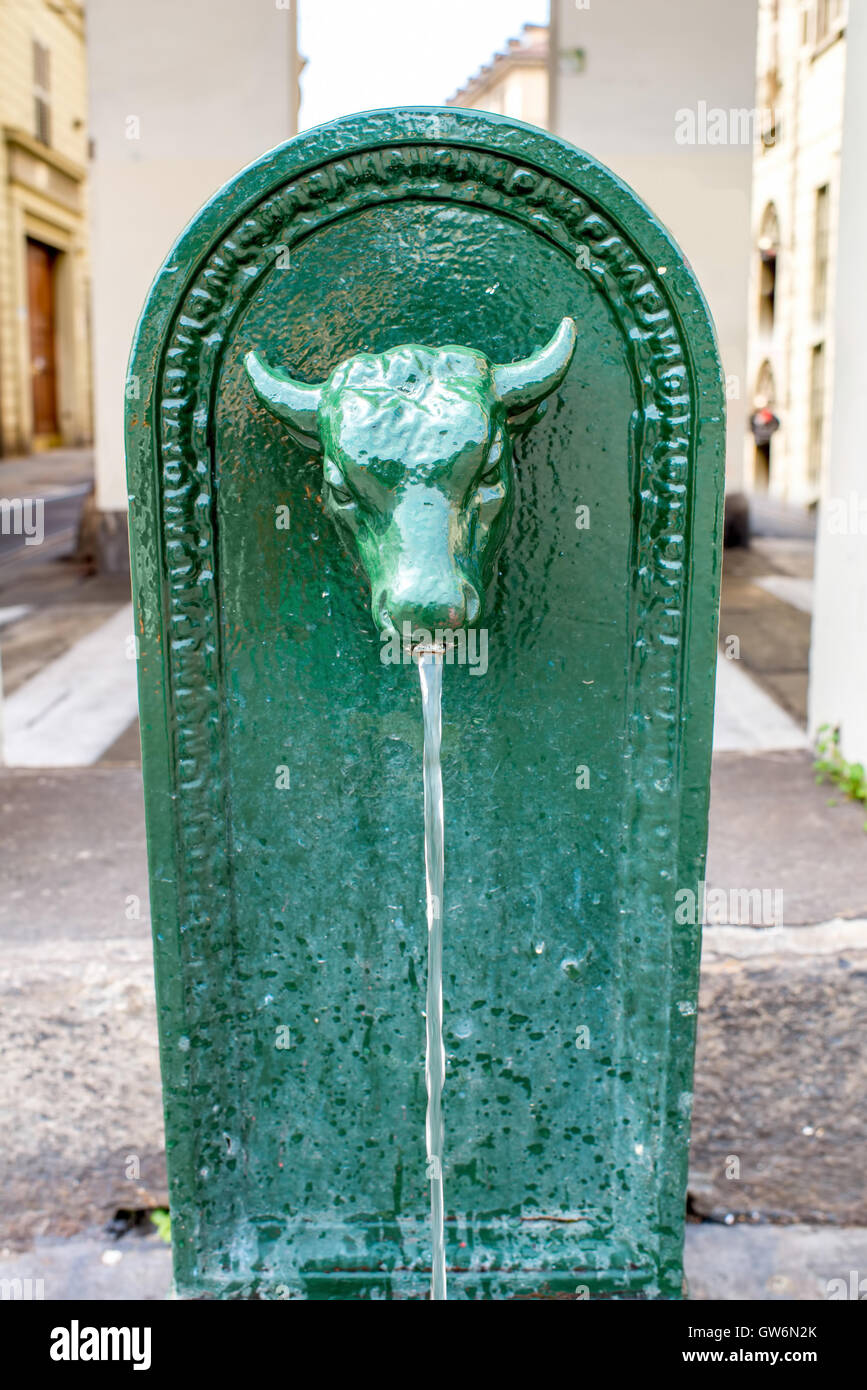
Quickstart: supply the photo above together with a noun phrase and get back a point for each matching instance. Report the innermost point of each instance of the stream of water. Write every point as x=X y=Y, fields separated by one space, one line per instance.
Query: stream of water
x=430 y=670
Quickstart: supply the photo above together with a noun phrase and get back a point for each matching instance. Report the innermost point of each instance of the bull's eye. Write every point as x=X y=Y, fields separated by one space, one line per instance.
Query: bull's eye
x=338 y=491
x=491 y=472
x=340 y=495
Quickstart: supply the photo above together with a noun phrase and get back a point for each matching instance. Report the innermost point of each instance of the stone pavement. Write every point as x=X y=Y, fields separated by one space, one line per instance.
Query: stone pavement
x=80 y=1104
x=34 y=475
x=772 y=631
x=46 y=494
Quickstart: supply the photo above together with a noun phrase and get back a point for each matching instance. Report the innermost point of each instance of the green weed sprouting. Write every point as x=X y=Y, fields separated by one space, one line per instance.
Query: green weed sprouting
x=830 y=765
x=163 y=1222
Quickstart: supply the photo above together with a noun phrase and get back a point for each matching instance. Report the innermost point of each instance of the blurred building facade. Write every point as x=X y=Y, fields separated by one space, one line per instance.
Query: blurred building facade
x=45 y=386
x=796 y=181
x=838 y=657
x=515 y=82
x=182 y=97
x=664 y=95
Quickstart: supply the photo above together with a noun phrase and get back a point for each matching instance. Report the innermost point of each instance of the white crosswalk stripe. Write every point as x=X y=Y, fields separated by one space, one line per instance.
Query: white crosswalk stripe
x=75 y=708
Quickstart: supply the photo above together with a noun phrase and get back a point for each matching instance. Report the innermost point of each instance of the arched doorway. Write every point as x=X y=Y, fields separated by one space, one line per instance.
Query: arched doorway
x=764 y=424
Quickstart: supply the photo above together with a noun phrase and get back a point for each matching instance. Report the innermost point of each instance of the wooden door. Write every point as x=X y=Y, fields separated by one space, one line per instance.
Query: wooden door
x=43 y=365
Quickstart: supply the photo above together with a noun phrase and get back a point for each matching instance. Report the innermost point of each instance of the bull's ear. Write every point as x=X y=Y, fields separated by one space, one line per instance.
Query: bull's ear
x=522 y=385
x=296 y=403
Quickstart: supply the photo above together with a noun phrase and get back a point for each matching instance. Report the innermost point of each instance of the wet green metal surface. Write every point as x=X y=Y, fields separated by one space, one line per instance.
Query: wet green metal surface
x=282 y=758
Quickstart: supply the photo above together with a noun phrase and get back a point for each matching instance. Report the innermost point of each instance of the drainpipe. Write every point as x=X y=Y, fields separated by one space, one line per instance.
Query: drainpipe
x=794 y=109
x=553 y=62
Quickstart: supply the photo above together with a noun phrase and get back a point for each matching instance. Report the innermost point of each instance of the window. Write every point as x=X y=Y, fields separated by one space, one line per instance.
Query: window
x=769 y=241
x=827 y=17
x=820 y=252
x=766 y=391
x=772 y=85
x=41 y=92
x=817 y=413
x=772 y=81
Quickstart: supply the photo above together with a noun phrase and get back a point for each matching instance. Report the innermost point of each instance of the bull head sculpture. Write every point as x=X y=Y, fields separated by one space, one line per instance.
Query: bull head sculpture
x=416 y=445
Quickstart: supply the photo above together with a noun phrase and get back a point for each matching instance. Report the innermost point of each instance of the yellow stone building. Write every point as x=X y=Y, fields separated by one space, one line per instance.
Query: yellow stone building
x=45 y=395
x=801 y=63
x=515 y=82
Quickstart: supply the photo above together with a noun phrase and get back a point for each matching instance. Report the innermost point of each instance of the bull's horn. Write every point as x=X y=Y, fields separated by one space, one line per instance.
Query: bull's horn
x=525 y=383
x=294 y=402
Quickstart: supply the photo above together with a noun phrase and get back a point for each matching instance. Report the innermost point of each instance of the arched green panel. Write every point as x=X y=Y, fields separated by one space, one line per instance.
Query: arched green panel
x=282 y=758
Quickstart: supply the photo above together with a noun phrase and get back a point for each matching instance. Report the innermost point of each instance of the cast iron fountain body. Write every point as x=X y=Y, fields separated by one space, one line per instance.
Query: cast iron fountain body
x=281 y=753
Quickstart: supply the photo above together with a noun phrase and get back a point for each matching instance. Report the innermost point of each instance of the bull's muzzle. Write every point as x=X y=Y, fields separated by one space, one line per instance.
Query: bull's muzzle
x=426 y=579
